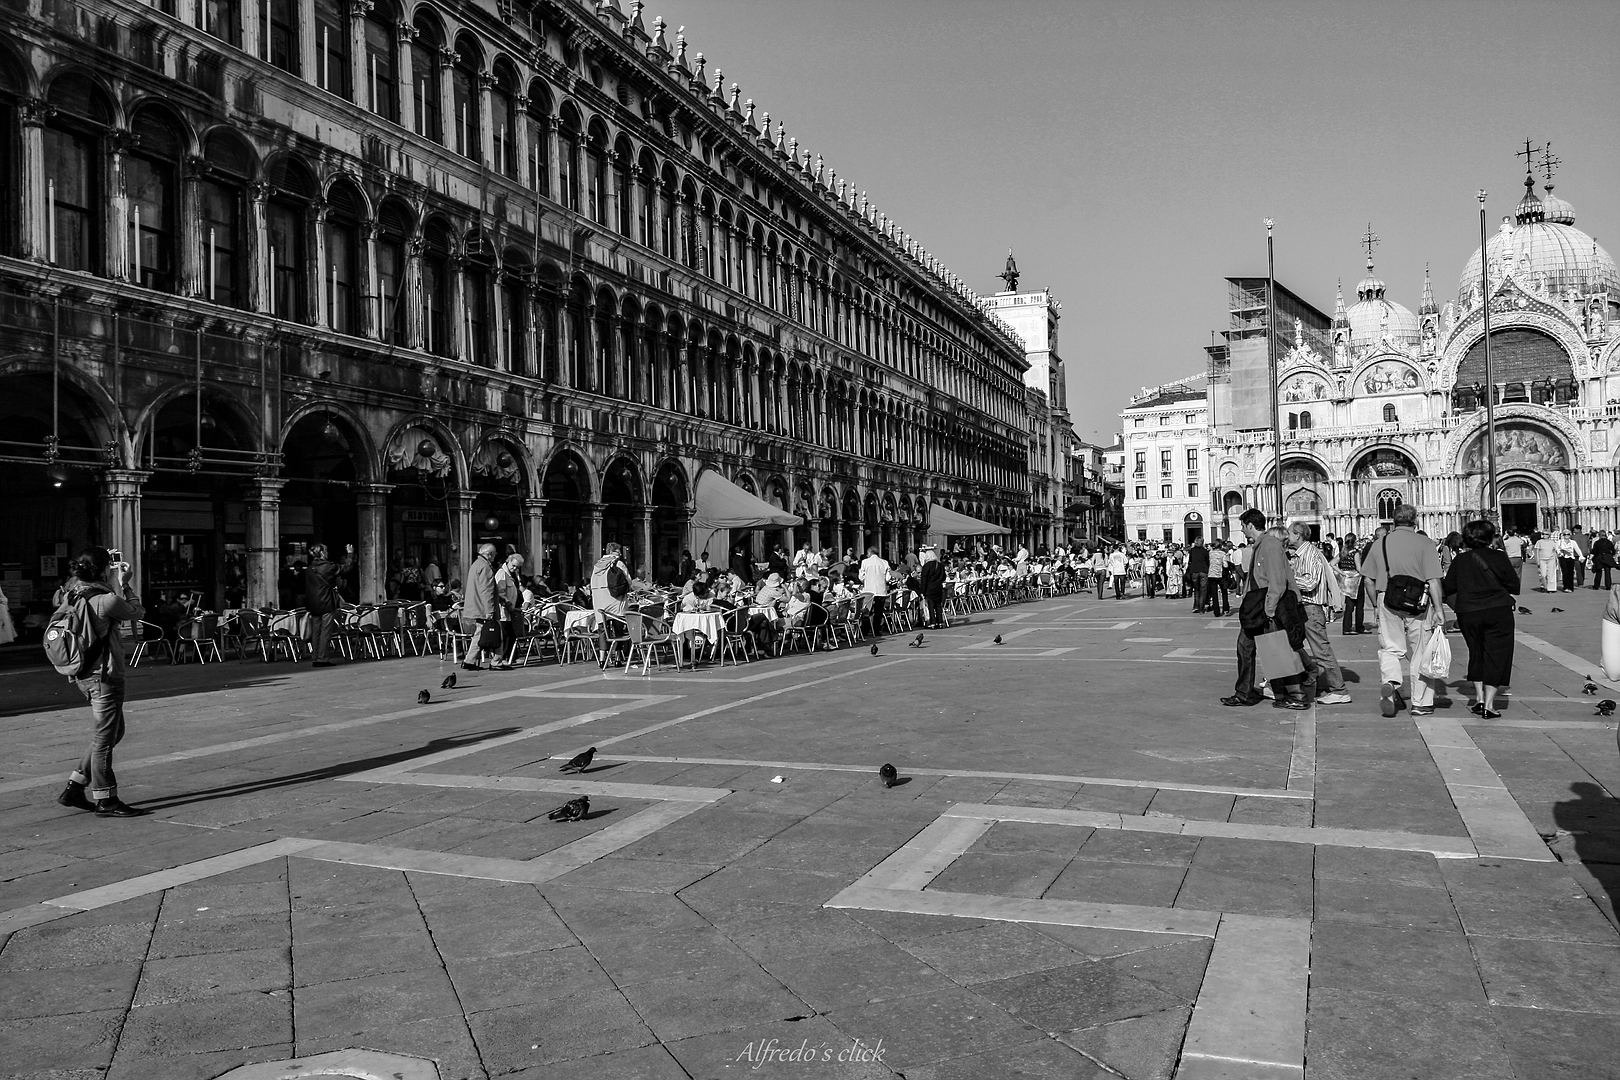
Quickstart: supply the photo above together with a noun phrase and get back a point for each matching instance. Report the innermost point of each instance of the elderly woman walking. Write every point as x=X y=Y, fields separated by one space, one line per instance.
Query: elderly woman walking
x=1484 y=584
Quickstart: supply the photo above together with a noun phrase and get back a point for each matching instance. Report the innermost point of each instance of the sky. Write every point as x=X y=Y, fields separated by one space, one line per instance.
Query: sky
x=1128 y=152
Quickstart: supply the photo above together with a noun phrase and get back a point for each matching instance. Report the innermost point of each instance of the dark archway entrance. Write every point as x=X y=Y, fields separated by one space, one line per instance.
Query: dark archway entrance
x=566 y=492
x=621 y=513
x=498 y=488
x=671 y=512
x=318 y=504
x=193 y=511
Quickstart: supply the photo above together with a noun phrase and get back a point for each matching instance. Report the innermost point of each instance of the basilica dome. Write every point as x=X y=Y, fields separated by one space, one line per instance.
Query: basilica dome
x=1373 y=317
x=1541 y=239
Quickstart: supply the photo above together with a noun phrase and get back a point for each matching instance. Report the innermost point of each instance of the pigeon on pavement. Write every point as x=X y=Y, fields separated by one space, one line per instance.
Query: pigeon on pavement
x=888 y=775
x=997 y=641
x=1556 y=610
x=1525 y=611
x=449 y=682
x=874 y=650
x=579 y=762
x=572 y=810
x=917 y=644
x=423 y=698
x=1606 y=707
x=1589 y=687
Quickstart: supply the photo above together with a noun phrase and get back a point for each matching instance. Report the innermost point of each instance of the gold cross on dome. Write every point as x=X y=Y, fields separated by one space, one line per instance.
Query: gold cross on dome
x=1549 y=161
x=1529 y=154
x=1370 y=240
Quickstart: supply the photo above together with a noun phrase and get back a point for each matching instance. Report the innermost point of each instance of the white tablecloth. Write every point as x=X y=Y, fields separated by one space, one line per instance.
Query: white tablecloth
x=708 y=623
x=582 y=620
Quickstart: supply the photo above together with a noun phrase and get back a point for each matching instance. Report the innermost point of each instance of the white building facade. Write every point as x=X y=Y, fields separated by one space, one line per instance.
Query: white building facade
x=1395 y=413
x=1165 y=437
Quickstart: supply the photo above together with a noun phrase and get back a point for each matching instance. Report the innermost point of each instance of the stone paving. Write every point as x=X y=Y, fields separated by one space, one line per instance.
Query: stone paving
x=1091 y=870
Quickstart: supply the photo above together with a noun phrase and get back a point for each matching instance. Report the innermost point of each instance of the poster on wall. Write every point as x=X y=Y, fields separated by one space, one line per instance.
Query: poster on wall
x=47 y=567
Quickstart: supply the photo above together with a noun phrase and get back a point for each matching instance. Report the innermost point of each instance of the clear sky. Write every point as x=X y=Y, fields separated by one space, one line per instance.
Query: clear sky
x=1128 y=151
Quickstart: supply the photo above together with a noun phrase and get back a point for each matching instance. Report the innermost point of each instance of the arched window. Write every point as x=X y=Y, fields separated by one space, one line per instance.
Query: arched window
x=538 y=134
x=382 y=97
x=648 y=183
x=393 y=229
x=666 y=213
x=224 y=207
x=596 y=175
x=464 y=97
x=344 y=279
x=757 y=254
x=332 y=48
x=10 y=219
x=425 y=78
x=476 y=274
x=436 y=288
x=149 y=183
x=286 y=219
x=74 y=180
x=1388 y=500
x=221 y=18
x=1305 y=421
x=621 y=186
x=1389 y=413
x=514 y=297
x=568 y=139
x=503 y=117
x=281 y=20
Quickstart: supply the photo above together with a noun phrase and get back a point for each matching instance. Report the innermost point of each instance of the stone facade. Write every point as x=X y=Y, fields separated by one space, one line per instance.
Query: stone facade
x=273 y=273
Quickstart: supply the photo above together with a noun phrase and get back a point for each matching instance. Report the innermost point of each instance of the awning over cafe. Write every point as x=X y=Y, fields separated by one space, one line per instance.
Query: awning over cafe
x=943 y=522
x=723 y=505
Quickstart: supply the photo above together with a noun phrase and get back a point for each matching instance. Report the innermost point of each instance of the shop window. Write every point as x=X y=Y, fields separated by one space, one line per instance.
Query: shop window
x=381 y=41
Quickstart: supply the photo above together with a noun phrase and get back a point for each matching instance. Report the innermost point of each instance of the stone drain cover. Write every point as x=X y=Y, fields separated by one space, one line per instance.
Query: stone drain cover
x=340 y=1065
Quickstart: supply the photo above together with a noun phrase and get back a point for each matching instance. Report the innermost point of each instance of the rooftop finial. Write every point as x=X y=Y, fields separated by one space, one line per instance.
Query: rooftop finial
x=1548 y=164
x=736 y=92
x=1370 y=240
x=700 y=78
x=1010 y=273
x=819 y=164
x=1529 y=154
x=719 y=93
x=680 y=47
x=748 y=118
x=781 y=138
x=1340 y=316
x=658 y=34
x=1428 y=307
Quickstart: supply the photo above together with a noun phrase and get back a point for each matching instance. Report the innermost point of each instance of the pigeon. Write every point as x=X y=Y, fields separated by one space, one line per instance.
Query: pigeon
x=449 y=682
x=887 y=774
x=917 y=644
x=1589 y=687
x=1606 y=707
x=997 y=641
x=572 y=810
x=1556 y=610
x=874 y=650
x=1525 y=611
x=423 y=698
x=579 y=762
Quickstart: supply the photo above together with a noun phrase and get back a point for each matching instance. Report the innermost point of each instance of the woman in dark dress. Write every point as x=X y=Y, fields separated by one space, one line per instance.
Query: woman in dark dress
x=1484 y=583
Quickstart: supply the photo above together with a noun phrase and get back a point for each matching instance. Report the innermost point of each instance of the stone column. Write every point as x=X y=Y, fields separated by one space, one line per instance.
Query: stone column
x=372 y=502
x=250 y=12
x=414 y=300
x=486 y=120
x=405 y=75
x=610 y=186
x=258 y=252
x=359 y=65
x=649 y=569
x=520 y=142
x=593 y=536
x=315 y=265
x=371 y=316
x=120 y=519
x=534 y=536
x=34 y=229
x=553 y=177
x=462 y=553
x=460 y=347
x=635 y=199
x=118 y=258
x=309 y=60
x=189 y=232
x=447 y=105
x=533 y=342
x=264 y=542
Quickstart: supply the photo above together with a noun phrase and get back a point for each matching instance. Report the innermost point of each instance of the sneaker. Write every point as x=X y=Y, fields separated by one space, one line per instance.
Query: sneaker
x=1423 y=710
x=1388 y=699
x=114 y=807
x=74 y=798
x=1333 y=697
x=1292 y=704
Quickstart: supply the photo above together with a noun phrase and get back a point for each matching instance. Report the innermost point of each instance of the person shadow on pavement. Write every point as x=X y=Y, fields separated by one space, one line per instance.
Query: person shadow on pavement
x=1592 y=822
x=327 y=772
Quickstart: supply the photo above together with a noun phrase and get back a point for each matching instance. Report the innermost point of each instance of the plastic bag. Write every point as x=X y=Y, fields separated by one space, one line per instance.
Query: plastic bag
x=1437 y=655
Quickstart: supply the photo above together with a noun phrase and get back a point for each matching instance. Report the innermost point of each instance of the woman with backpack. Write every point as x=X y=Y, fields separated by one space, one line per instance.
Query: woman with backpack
x=97 y=598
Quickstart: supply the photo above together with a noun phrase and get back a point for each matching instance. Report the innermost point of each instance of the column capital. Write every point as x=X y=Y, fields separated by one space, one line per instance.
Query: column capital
x=359 y=9
x=405 y=32
x=535 y=504
x=269 y=486
x=35 y=112
x=259 y=190
x=375 y=491
x=461 y=500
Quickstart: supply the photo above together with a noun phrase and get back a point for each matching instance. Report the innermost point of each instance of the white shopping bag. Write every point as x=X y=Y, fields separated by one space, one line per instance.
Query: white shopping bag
x=1437 y=655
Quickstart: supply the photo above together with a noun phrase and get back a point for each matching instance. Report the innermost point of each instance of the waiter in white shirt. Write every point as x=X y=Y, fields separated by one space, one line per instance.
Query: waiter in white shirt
x=875 y=581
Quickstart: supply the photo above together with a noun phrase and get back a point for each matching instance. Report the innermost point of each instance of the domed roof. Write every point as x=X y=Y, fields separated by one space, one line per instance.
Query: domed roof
x=1542 y=238
x=1373 y=317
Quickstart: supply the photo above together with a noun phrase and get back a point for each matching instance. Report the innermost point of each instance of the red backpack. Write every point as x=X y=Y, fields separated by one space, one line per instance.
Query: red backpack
x=71 y=643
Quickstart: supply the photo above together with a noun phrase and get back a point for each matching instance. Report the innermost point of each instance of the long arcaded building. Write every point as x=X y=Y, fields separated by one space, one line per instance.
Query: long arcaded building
x=280 y=271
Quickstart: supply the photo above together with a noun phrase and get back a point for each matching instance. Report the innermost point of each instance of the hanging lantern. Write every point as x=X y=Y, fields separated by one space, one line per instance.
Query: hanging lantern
x=425 y=448
x=492 y=524
x=504 y=460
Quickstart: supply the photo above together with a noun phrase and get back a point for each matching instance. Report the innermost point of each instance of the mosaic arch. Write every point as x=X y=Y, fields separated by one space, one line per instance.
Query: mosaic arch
x=1390 y=377
x=1308 y=386
x=1383 y=463
x=1520 y=444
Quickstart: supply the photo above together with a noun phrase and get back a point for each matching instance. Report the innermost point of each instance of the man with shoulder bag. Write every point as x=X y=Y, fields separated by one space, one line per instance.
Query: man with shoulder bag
x=1270 y=605
x=1404 y=571
x=83 y=642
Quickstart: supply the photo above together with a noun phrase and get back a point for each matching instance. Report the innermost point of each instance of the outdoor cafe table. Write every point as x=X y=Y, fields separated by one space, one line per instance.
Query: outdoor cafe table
x=711 y=624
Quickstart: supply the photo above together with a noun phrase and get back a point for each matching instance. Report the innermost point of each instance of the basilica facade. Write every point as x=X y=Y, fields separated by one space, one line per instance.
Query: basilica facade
x=1390 y=408
x=410 y=275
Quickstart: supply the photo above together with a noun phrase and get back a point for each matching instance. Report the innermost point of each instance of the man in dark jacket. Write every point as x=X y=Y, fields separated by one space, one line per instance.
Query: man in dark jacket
x=931 y=583
x=1602 y=560
x=480 y=614
x=779 y=562
x=322 y=598
x=741 y=565
x=687 y=568
x=1584 y=543
x=1197 y=572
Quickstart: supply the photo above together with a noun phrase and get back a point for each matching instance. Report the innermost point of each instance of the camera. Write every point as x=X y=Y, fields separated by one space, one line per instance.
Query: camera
x=114 y=555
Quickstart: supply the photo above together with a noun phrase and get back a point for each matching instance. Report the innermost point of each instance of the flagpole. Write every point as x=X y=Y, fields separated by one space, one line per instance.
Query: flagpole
x=1271 y=364
x=1490 y=508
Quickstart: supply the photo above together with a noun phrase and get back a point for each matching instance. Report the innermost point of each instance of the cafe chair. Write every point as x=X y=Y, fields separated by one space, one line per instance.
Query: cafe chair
x=646 y=635
x=200 y=634
x=150 y=642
